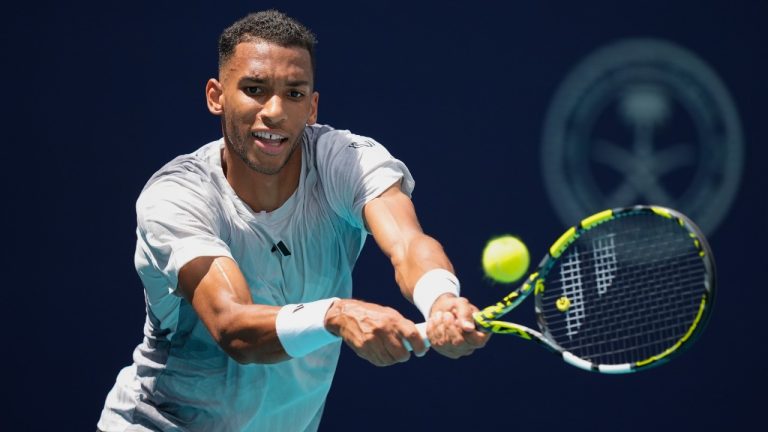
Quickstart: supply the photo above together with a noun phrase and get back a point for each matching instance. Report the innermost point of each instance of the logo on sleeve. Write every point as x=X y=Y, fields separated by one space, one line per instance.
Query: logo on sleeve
x=361 y=144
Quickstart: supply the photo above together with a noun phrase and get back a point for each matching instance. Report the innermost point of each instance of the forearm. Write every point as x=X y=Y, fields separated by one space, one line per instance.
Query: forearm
x=424 y=274
x=270 y=334
x=248 y=334
x=392 y=220
x=420 y=255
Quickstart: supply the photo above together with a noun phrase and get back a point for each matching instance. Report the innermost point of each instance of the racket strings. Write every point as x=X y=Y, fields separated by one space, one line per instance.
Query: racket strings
x=648 y=346
x=682 y=288
x=571 y=287
x=632 y=333
x=634 y=321
x=682 y=285
x=634 y=286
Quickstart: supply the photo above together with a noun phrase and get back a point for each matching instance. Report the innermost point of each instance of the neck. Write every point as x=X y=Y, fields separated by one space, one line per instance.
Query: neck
x=262 y=192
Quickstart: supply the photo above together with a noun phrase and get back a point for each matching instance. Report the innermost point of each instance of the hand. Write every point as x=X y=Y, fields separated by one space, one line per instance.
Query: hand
x=451 y=328
x=374 y=332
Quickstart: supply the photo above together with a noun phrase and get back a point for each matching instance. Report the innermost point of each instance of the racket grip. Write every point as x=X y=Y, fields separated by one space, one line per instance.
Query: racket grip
x=422 y=328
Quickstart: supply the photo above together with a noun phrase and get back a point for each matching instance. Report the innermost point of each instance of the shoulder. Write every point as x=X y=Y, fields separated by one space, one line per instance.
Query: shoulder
x=327 y=138
x=331 y=147
x=192 y=167
x=186 y=181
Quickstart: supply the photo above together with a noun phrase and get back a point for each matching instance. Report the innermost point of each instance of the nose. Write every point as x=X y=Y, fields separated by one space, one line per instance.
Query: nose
x=272 y=111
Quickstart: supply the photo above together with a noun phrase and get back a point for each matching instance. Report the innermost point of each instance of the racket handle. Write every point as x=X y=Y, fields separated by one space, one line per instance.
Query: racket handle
x=422 y=328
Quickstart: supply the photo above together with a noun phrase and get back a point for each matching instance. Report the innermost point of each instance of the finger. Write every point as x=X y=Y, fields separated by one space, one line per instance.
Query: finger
x=435 y=328
x=463 y=342
x=476 y=338
x=412 y=337
x=396 y=350
x=447 y=324
x=464 y=311
x=392 y=338
x=385 y=356
x=372 y=349
x=454 y=331
x=444 y=320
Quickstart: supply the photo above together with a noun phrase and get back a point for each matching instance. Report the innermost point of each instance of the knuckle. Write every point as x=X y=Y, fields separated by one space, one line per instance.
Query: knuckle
x=358 y=347
x=366 y=340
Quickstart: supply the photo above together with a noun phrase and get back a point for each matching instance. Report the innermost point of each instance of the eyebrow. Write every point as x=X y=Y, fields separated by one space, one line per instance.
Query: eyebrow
x=290 y=83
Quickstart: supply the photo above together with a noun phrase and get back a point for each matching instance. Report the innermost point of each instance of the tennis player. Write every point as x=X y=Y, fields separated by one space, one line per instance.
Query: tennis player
x=245 y=249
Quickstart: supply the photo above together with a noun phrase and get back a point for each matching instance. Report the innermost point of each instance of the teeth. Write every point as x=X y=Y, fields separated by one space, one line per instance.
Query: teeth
x=267 y=135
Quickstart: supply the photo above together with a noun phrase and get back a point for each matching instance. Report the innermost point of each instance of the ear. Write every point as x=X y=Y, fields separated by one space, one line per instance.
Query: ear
x=214 y=95
x=313 y=108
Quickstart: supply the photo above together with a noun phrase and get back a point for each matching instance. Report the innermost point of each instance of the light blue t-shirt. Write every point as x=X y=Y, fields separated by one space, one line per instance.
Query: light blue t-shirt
x=303 y=251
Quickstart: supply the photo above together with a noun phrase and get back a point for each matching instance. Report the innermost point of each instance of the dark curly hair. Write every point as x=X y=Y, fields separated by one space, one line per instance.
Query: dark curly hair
x=271 y=26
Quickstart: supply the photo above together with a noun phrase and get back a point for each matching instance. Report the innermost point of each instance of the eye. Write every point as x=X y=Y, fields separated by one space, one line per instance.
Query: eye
x=253 y=90
x=295 y=94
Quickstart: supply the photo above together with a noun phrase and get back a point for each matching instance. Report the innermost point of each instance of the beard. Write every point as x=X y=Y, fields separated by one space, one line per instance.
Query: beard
x=240 y=146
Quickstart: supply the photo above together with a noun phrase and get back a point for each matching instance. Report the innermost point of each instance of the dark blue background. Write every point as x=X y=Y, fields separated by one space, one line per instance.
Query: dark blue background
x=98 y=96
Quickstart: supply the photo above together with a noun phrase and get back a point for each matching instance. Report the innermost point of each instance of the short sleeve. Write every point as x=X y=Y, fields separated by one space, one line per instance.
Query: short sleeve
x=356 y=169
x=177 y=222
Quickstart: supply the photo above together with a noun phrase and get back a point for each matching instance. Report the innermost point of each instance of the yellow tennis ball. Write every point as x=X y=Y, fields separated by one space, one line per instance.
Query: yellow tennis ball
x=505 y=259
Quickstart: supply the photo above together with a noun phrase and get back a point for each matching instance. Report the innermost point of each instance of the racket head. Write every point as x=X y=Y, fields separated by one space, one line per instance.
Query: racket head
x=627 y=289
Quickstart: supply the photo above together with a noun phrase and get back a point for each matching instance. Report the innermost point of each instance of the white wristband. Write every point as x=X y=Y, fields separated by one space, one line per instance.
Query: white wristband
x=301 y=327
x=432 y=285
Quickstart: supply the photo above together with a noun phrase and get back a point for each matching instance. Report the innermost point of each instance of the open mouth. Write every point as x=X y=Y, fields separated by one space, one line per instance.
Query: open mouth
x=269 y=142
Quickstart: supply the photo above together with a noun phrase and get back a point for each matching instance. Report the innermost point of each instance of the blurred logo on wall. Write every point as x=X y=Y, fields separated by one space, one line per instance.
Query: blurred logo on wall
x=642 y=121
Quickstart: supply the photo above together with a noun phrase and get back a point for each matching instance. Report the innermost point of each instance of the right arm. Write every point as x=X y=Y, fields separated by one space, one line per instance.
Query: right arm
x=247 y=332
x=178 y=225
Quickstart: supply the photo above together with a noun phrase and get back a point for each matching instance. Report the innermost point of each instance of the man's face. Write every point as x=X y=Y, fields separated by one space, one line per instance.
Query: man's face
x=266 y=100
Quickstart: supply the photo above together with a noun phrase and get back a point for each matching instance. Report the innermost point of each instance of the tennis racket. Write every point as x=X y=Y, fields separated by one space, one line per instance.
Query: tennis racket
x=624 y=290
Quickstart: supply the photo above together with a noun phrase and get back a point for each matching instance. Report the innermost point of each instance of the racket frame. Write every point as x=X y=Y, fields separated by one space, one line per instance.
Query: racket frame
x=487 y=319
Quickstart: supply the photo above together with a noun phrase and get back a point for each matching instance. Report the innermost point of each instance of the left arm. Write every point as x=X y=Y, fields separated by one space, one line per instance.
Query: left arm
x=392 y=220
